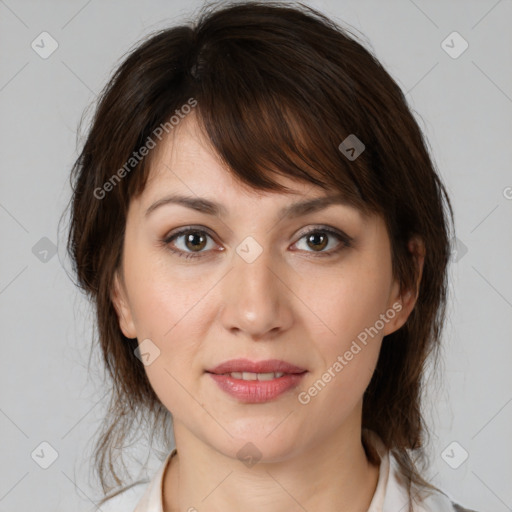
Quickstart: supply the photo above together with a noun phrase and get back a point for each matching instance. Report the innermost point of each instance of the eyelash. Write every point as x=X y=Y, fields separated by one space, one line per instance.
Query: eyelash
x=346 y=241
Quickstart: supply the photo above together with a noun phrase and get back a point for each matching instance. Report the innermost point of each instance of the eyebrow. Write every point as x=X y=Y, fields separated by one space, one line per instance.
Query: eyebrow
x=213 y=208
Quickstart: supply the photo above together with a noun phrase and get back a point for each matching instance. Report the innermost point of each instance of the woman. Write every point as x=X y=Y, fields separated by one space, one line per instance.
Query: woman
x=260 y=226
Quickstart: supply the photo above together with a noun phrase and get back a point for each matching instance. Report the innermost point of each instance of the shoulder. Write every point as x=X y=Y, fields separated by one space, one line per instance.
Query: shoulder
x=124 y=501
x=459 y=508
x=441 y=502
x=141 y=496
x=423 y=500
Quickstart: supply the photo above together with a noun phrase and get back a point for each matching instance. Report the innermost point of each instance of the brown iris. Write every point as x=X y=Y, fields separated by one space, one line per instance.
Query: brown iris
x=314 y=237
x=193 y=238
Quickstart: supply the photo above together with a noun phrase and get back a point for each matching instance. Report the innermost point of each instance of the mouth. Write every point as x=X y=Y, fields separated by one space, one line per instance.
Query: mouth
x=256 y=382
x=246 y=366
x=249 y=376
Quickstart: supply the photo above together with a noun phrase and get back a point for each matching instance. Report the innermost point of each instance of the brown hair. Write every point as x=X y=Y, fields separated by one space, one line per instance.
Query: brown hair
x=278 y=87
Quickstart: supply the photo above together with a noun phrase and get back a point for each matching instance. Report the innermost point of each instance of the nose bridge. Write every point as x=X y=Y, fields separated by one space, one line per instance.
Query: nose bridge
x=255 y=299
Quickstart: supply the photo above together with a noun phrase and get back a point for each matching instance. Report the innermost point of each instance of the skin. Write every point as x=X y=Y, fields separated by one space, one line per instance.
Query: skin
x=290 y=304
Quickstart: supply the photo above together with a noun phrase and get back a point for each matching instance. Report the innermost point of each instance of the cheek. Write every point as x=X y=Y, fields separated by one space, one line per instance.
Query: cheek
x=350 y=304
x=171 y=372
x=334 y=394
x=164 y=296
x=350 y=300
x=167 y=309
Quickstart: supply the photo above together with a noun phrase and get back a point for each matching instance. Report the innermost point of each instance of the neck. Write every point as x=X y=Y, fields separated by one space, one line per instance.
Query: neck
x=333 y=475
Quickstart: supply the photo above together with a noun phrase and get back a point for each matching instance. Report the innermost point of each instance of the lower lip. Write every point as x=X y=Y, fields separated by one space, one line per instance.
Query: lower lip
x=255 y=391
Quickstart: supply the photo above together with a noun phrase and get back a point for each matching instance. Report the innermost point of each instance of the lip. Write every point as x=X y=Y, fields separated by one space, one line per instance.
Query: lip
x=255 y=391
x=246 y=365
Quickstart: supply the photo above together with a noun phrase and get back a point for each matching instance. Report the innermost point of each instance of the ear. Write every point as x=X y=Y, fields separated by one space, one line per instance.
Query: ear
x=121 y=305
x=402 y=302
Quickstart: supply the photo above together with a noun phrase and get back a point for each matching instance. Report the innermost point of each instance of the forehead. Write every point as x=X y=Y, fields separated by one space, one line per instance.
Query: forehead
x=185 y=161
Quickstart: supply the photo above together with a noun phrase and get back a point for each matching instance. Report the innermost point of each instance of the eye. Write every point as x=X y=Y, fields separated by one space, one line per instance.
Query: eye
x=194 y=240
x=319 y=238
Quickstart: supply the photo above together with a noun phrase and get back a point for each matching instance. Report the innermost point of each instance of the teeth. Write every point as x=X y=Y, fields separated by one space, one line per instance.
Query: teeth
x=255 y=376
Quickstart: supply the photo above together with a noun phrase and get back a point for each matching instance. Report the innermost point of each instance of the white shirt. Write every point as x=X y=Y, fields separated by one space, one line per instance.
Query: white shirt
x=390 y=495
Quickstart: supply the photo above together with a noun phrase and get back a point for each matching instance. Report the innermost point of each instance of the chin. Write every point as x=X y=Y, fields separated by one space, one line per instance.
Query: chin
x=258 y=440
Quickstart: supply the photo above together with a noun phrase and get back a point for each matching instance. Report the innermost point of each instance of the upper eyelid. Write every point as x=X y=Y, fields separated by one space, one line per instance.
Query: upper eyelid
x=210 y=232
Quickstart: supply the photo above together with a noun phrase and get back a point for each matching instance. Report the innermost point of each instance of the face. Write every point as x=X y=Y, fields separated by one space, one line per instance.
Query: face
x=314 y=290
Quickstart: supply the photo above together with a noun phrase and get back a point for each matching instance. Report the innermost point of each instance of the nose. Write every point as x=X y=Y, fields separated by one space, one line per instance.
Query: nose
x=257 y=299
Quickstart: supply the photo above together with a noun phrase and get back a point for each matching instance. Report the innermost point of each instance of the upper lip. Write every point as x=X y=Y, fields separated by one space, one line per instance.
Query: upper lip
x=245 y=365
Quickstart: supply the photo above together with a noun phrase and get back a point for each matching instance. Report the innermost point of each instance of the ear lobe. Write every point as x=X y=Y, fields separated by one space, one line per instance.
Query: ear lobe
x=397 y=313
x=120 y=302
x=405 y=300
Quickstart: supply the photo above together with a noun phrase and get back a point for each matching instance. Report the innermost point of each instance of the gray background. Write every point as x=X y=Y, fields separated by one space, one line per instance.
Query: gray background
x=464 y=105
